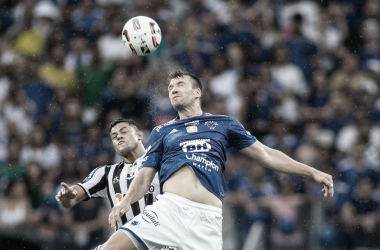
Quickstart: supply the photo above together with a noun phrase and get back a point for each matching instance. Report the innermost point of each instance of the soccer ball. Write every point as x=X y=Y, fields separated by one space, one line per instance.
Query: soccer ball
x=141 y=35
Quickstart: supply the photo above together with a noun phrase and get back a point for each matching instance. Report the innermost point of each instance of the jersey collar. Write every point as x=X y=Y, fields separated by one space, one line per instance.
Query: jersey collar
x=188 y=119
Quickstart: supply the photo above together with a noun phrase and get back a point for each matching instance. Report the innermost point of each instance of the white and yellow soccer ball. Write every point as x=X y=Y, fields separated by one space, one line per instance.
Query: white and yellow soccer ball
x=141 y=35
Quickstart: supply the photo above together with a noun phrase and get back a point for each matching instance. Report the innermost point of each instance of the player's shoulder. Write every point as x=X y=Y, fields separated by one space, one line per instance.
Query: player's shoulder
x=105 y=168
x=162 y=127
x=219 y=117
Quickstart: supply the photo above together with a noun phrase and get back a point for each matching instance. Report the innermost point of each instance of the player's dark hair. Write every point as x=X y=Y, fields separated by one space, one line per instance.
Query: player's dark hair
x=180 y=73
x=120 y=120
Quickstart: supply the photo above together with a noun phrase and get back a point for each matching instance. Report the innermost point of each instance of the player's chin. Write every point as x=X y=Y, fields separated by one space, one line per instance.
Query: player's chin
x=123 y=149
x=177 y=106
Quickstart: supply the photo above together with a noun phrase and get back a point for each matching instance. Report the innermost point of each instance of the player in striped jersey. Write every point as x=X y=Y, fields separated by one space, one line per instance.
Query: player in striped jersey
x=112 y=181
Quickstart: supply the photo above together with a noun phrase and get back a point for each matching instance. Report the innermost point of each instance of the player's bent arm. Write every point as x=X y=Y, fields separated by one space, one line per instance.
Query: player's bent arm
x=139 y=186
x=278 y=161
x=70 y=198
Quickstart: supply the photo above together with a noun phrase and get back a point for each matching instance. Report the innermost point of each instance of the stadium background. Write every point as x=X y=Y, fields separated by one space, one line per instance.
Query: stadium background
x=302 y=76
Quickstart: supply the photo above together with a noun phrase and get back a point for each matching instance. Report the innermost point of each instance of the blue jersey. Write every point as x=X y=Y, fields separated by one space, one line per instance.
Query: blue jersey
x=200 y=142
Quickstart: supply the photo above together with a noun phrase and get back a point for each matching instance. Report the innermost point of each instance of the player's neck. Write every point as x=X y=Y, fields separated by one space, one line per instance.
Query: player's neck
x=189 y=113
x=134 y=154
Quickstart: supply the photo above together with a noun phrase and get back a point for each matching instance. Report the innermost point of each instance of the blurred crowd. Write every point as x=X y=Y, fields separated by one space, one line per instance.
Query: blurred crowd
x=303 y=76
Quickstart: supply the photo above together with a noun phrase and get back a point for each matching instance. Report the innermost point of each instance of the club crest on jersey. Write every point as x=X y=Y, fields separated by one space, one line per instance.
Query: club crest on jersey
x=211 y=124
x=192 y=129
x=135 y=223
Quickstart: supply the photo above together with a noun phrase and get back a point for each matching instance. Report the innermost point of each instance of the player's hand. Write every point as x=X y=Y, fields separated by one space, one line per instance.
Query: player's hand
x=327 y=181
x=118 y=211
x=66 y=193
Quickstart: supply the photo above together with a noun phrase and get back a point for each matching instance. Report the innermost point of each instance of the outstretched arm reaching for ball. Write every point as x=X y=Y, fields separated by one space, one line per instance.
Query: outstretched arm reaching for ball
x=278 y=161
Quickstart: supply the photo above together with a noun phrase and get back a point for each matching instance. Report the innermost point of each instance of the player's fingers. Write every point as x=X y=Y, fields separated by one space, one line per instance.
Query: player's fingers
x=331 y=191
x=57 y=198
x=124 y=210
x=328 y=182
x=330 y=186
x=114 y=217
x=110 y=219
x=65 y=186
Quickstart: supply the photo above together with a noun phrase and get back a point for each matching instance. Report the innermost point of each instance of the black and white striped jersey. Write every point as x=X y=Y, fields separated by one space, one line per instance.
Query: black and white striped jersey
x=112 y=182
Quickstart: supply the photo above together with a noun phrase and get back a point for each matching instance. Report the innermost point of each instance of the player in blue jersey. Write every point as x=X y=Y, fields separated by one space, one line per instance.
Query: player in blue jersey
x=189 y=153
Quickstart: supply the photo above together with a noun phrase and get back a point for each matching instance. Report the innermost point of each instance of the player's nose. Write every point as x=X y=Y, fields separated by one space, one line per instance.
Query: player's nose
x=174 y=91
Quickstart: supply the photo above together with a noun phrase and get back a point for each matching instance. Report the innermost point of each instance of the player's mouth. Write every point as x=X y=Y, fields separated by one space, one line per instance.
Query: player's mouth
x=175 y=97
x=120 y=142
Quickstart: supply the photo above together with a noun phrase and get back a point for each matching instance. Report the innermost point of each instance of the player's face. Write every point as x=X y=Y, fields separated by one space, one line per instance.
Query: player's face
x=125 y=138
x=181 y=92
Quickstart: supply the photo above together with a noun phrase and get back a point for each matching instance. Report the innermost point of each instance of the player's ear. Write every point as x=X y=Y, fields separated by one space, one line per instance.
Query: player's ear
x=198 y=92
x=140 y=134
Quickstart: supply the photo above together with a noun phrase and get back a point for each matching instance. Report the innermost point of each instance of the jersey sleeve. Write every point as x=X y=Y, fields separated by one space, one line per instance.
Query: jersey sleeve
x=95 y=184
x=153 y=155
x=238 y=136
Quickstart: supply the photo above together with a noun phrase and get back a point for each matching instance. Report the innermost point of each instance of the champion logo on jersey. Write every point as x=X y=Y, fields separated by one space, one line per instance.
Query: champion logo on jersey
x=173 y=131
x=211 y=124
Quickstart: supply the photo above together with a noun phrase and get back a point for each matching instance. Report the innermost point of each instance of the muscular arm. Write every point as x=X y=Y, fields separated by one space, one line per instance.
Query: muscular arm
x=138 y=188
x=278 y=161
x=70 y=196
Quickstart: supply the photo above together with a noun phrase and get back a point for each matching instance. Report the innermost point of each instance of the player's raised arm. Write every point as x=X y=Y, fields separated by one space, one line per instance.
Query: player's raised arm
x=278 y=161
x=68 y=197
x=139 y=186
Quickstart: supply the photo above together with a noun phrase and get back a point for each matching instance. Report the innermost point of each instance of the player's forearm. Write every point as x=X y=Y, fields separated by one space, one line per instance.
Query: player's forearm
x=138 y=189
x=140 y=185
x=280 y=162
